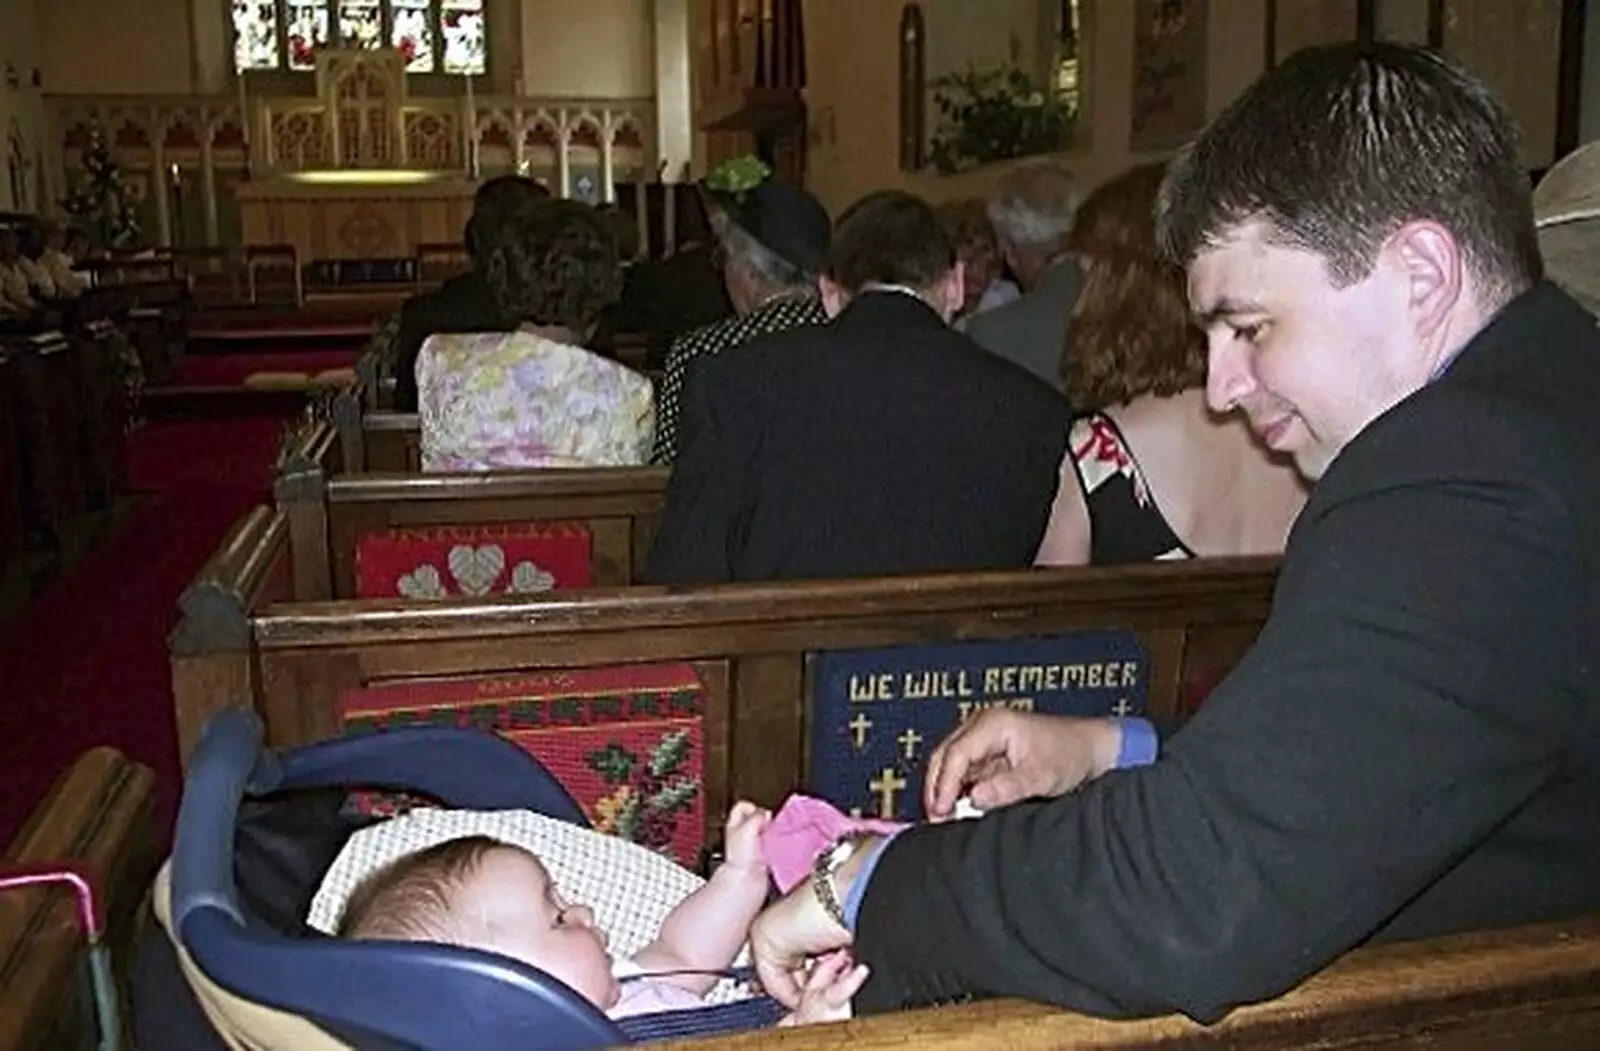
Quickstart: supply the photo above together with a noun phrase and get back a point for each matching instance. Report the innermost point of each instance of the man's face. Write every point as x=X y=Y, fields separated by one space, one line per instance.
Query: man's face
x=1310 y=364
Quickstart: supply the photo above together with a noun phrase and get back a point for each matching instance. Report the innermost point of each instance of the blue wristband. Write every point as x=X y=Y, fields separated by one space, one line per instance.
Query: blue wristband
x=858 y=887
x=1139 y=746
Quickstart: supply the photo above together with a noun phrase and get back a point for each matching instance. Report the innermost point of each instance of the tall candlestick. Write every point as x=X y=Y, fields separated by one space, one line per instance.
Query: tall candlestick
x=244 y=119
x=471 y=130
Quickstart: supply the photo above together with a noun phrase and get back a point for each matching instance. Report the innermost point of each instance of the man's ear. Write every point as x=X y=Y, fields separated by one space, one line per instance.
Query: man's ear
x=1430 y=260
x=834 y=297
x=953 y=291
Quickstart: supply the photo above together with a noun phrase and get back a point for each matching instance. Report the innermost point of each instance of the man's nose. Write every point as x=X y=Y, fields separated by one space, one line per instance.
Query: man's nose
x=581 y=915
x=1227 y=373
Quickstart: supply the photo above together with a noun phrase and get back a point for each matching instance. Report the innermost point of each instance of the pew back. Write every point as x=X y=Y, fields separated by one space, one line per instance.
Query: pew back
x=332 y=514
x=754 y=649
x=98 y=816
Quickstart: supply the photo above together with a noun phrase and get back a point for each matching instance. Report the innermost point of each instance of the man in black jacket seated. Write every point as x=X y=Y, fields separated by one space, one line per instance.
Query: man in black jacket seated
x=883 y=441
x=462 y=303
x=1413 y=745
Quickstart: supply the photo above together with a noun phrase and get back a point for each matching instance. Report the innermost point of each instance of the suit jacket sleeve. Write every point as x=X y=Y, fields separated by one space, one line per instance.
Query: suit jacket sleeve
x=693 y=543
x=1400 y=704
x=414 y=331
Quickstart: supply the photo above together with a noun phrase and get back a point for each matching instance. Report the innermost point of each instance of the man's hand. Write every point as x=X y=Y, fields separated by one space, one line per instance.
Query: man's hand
x=833 y=982
x=795 y=929
x=742 y=838
x=1006 y=756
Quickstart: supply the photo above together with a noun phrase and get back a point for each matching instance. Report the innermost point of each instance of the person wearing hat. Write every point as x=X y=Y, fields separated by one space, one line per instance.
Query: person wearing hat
x=773 y=240
x=1566 y=210
x=881 y=442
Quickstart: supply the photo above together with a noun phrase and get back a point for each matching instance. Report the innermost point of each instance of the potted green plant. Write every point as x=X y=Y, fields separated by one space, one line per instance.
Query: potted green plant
x=992 y=114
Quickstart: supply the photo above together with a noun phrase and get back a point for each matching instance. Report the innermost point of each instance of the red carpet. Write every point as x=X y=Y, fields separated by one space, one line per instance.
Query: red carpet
x=87 y=663
x=230 y=370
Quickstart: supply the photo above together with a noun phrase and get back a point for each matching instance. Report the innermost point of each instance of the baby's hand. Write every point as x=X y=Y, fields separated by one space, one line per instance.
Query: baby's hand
x=834 y=981
x=742 y=837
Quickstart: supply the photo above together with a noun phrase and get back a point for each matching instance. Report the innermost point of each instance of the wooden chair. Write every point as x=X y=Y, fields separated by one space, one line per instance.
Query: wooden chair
x=97 y=817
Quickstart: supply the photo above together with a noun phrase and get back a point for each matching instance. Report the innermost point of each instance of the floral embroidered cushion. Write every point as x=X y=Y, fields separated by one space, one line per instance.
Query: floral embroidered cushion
x=627 y=742
x=474 y=561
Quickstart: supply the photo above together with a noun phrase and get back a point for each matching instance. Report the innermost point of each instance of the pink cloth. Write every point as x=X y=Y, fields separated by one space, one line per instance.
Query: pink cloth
x=644 y=996
x=803 y=828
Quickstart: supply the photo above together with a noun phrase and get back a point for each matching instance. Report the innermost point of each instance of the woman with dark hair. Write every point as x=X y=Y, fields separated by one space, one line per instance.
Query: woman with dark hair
x=1150 y=472
x=534 y=397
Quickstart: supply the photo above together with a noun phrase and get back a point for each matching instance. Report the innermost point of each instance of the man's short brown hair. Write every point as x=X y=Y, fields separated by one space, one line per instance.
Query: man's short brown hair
x=890 y=238
x=1131 y=333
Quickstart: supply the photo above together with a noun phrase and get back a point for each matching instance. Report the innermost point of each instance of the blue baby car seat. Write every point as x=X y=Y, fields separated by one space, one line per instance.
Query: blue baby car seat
x=370 y=995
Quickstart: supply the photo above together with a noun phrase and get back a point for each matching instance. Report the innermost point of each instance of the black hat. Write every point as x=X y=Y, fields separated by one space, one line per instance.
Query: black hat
x=785 y=219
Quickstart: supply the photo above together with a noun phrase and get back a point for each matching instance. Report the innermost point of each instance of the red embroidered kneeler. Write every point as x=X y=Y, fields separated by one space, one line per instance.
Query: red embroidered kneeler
x=475 y=560
x=626 y=741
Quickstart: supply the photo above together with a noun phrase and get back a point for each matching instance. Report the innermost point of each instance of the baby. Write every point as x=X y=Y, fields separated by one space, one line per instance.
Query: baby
x=483 y=894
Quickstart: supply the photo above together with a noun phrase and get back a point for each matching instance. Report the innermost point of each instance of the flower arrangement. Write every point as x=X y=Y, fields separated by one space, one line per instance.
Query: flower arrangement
x=995 y=113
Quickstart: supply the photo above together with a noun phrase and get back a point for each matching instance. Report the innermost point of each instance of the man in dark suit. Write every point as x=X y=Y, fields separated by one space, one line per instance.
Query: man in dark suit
x=463 y=303
x=1411 y=747
x=881 y=442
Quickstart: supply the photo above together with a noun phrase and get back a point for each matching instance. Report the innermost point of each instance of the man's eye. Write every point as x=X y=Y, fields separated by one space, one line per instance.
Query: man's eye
x=1247 y=333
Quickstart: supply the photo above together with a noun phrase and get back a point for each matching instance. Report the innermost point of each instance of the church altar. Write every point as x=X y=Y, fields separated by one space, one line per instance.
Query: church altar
x=361 y=215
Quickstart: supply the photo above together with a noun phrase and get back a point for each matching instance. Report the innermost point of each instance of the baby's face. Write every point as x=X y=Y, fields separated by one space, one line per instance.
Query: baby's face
x=513 y=904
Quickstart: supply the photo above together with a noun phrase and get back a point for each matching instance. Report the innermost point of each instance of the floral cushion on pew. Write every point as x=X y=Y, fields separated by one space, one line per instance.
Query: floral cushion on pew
x=476 y=561
x=627 y=742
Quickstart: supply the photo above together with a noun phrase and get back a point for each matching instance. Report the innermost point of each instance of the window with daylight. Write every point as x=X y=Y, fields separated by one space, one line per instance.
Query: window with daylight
x=436 y=36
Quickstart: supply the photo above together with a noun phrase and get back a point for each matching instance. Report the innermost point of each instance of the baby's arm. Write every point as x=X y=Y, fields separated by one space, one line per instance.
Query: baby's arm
x=709 y=927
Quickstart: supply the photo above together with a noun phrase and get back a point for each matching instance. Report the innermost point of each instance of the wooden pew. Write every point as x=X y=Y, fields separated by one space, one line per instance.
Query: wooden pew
x=98 y=816
x=13 y=532
x=749 y=645
x=213 y=646
x=49 y=426
x=330 y=511
x=1522 y=989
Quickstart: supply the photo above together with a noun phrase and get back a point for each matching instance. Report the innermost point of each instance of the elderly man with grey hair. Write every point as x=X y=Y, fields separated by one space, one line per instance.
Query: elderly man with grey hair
x=1566 y=210
x=773 y=240
x=1032 y=212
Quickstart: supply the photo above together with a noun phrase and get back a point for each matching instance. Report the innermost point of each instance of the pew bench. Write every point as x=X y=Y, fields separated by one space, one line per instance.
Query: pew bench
x=768 y=680
x=360 y=534
x=1520 y=989
x=98 y=816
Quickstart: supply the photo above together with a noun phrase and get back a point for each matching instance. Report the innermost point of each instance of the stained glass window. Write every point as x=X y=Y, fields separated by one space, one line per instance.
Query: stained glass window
x=461 y=24
x=305 y=23
x=360 y=23
x=255 y=34
x=412 y=33
x=435 y=35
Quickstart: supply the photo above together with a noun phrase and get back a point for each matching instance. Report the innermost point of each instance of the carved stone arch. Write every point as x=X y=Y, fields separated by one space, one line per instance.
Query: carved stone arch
x=913 y=48
x=542 y=129
x=495 y=129
x=129 y=131
x=626 y=132
x=586 y=130
x=179 y=132
x=77 y=134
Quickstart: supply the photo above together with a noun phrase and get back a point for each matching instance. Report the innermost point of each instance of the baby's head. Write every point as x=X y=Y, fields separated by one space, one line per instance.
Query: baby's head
x=483 y=894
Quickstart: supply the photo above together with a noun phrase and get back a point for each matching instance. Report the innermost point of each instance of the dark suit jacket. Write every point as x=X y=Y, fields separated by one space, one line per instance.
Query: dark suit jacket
x=1411 y=748
x=882 y=442
x=676 y=295
x=461 y=304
